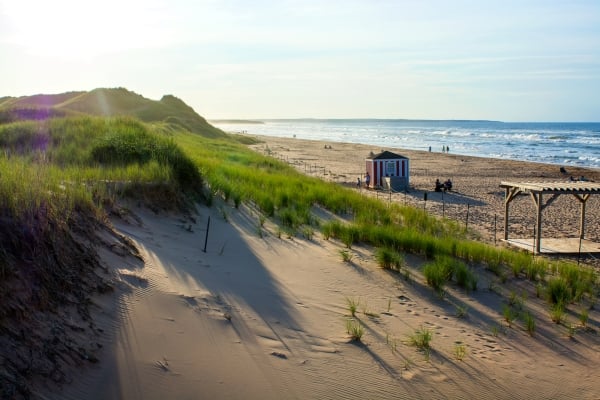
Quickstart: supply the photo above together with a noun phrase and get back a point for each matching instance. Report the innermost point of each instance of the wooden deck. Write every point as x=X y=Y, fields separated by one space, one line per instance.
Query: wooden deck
x=557 y=246
x=581 y=190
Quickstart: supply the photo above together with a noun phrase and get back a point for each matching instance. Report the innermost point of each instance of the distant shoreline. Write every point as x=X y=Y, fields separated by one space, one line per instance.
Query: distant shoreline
x=568 y=145
x=234 y=121
x=307 y=119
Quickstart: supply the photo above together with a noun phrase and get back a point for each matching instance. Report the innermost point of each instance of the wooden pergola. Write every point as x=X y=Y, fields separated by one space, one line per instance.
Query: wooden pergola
x=581 y=190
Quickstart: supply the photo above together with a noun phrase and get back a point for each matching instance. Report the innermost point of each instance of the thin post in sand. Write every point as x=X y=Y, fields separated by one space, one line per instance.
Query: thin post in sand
x=206 y=236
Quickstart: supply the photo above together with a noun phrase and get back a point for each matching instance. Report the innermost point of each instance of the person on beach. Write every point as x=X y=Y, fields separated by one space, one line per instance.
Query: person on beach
x=438 y=185
x=448 y=185
x=367 y=180
x=358 y=182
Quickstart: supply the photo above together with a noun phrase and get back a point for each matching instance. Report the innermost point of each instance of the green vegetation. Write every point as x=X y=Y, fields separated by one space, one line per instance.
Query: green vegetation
x=510 y=314
x=352 y=304
x=169 y=114
x=355 y=329
x=103 y=157
x=389 y=259
x=78 y=161
x=584 y=317
x=557 y=313
x=571 y=329
x=529 y=322
x=437 y=274
x=460 y=351
x=421 y=338
x=346 y=255
x=558 y=292
x=88 y=149
x=461 y=311
x=391 y=342
x=495 y=330
x=444 y=268
x=175 y=154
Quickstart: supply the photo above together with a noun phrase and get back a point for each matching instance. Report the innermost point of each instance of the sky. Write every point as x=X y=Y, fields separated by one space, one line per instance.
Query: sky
x=523 y=60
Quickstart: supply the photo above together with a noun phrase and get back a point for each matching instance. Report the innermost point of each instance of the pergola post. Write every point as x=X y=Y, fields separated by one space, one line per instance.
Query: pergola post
x=582 y=200
x=537 y=200
x=538 y=224
x=510 y=195
x=582 y=222
x=506 y=202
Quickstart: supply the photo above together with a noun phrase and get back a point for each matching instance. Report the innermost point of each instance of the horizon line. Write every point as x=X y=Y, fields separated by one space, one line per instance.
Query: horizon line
x=254 y=120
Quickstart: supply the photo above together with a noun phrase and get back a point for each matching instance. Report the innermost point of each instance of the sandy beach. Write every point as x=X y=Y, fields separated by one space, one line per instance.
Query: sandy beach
x=475 y=185
x=264 y=317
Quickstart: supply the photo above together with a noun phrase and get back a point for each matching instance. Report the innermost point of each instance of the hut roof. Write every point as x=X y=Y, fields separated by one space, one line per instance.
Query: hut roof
x=386 y=155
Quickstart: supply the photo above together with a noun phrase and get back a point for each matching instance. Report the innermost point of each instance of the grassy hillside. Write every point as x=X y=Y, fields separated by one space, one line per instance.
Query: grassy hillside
x=169 y=112
x=70 y=159
x=61 y=178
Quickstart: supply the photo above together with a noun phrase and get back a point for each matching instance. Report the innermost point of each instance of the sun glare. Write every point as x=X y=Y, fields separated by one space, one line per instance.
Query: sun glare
x=70 y=28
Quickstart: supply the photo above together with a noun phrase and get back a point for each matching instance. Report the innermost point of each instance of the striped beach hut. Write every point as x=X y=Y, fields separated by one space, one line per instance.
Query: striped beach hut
x=388 y=170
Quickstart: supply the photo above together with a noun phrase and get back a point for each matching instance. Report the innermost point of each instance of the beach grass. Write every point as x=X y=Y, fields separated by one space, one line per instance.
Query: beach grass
x=389 y=258
x=460 y=351
x=290 y=198
x=56 y=172
x=110 y=157
x=529 y=323
x=509 y=313
x=421 y=338
x=346 y=255
x=355 y=329
x=83 y=162
x=352 y=304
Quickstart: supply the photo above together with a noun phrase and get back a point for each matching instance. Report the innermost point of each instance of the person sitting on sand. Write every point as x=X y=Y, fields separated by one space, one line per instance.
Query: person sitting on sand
x=438 y=185
x=448 y=185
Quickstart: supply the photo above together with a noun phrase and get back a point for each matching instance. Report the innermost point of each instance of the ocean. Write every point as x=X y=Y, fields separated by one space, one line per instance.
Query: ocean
x=564 y=144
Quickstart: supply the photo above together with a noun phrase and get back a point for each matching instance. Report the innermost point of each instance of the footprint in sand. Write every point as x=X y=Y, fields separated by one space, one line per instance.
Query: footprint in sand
x=162 y=364
x=279 y=355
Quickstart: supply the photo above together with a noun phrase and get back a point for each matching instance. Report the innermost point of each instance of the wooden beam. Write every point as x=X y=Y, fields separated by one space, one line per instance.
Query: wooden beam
x=537 y=200
x=582 y=221
x=511 y=193
x=509 y=196
x=538 y=232
x=582 y=199
x=534 y=198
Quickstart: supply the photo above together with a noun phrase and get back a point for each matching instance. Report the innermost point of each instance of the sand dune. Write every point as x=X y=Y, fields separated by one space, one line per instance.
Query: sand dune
x=264 y=317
